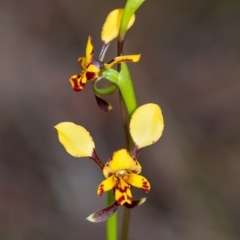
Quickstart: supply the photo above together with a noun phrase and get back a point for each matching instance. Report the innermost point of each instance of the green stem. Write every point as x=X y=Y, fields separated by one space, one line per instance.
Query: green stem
x=125 y=223
x=129 y=98
x=127 y=90
x=125 y=121
x=127 y=95
x=112 y=221
x=104 y=91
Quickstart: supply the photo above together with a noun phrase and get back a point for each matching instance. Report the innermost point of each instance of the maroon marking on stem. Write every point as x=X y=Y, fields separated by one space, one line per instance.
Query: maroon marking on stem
x=135 y=150
x=120 y=46
x=95 y=158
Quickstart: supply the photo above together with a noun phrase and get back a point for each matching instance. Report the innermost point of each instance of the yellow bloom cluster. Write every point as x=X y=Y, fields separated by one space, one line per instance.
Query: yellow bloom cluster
x=146 y=125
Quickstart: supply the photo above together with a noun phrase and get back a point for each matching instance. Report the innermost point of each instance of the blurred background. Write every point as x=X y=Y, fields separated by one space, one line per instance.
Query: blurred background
x=189 y=65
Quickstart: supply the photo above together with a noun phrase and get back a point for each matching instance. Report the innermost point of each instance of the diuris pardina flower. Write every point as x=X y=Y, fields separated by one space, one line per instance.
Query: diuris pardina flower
x=122 y=169
x=92 y=67
x=121 y=172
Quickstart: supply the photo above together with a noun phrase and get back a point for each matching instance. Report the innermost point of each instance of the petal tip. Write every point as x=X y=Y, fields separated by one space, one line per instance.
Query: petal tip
x=91 y=218
x=103 y=105
x=142 y=200
x=138 y=56
x=103 y=214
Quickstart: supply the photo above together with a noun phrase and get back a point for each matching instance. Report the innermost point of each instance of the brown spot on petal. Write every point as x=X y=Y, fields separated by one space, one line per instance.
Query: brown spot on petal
x=145 y=186
x=74 y=82
x=82 y=85
x=129 y=198
x=101 y=190
x=90 y=75
x=122 y=190
x=120 y=200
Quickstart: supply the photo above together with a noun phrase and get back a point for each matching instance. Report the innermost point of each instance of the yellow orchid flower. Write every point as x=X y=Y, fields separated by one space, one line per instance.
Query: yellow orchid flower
x=122 y=169
x=92 y=67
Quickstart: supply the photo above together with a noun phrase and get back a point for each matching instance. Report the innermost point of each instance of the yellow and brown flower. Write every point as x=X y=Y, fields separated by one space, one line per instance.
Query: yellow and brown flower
x=121 y=172
x=91 y=67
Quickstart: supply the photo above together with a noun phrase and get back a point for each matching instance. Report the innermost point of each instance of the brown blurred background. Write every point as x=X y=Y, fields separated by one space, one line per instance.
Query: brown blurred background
x=190 y=66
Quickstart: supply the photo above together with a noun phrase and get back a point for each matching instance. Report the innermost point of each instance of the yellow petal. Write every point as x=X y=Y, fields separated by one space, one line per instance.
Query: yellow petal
x=111 y=25
x=146 y=125
x=138 y=181
x=89 y=51
x=94 y=70
x=123 y=193
x=121 y=160
x=75 y=139
x=126 y=58
x=106 y=185
x=82 y=62
x=78 y=81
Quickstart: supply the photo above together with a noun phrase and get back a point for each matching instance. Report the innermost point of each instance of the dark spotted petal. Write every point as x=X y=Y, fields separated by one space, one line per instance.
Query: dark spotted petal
x=78 y=81
x=103 y=214
x=105 y=106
